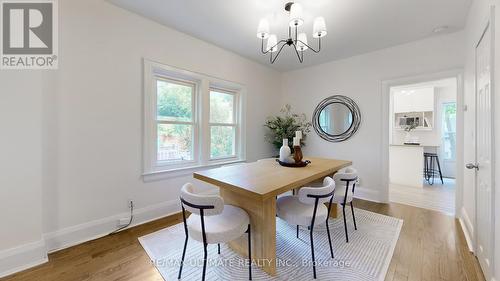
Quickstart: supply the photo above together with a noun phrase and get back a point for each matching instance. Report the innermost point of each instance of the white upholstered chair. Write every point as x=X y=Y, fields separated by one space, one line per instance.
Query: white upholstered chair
x=212 y=222
x=308 y=209
x=345 y=182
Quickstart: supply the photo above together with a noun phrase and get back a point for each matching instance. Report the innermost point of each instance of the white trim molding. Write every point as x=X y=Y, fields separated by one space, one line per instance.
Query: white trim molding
x=84 y=232
x=368 y=194
x=22 y=257
x=467 y=228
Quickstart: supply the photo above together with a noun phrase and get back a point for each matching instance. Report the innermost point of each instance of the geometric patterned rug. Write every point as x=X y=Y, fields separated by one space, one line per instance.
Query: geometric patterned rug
x=366 y=257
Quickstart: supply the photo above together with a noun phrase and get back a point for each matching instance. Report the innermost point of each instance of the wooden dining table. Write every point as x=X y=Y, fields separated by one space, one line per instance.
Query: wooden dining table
x=254 y=187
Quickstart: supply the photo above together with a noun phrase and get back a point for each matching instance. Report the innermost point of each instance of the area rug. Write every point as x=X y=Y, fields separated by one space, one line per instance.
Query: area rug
x=365 y=257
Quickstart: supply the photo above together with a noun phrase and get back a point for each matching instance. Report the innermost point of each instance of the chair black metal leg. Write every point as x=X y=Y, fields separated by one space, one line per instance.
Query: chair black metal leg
x=249 y=253
x=297 y=231
x=312 y=252
x=183 y=255
x=329 y=238
x=353 y=217
x=439 y=169
x=204 y=261
x=218 y=248
x=345 y=224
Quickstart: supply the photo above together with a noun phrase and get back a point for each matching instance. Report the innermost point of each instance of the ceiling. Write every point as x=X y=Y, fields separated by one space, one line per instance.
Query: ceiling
x=354 y=26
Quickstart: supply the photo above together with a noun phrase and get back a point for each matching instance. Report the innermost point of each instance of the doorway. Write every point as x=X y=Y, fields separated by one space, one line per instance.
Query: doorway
x=436 y=129
x=422 y=147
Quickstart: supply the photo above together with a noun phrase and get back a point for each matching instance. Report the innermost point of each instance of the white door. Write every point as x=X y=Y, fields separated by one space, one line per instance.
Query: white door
x=484 y=151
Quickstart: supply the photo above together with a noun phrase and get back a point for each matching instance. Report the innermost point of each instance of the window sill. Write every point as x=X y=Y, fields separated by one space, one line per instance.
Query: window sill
x=179 y=172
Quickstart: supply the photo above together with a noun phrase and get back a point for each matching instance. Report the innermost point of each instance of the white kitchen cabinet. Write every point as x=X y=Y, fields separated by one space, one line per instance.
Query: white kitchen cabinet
x=414 y=100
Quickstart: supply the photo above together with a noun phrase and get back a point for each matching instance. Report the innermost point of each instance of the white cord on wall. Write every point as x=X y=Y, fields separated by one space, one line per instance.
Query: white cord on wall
x=130 y=221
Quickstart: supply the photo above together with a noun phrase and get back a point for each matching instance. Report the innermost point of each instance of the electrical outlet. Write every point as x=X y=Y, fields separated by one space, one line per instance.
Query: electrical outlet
x=130 y=204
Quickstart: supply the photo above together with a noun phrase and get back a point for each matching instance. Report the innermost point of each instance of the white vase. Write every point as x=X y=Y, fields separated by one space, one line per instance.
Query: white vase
x=285 y=151
x=408 y=137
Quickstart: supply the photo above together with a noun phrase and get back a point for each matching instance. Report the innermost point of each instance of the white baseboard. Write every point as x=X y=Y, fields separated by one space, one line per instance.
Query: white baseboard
x=22 y=257
x=467 y=228
x=368 y=194
x=81 y=233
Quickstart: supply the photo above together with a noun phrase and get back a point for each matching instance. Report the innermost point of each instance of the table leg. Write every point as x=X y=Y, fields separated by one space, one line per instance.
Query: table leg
x=334 y=211
x=262 y=214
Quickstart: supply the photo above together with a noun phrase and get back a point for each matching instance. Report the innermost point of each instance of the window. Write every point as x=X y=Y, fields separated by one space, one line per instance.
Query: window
x=449 y=126
x=191 y=120
x=222 y=124
x=175 y=122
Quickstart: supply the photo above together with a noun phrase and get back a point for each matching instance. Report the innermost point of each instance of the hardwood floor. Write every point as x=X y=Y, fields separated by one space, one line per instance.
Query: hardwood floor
x=438 y=197
x=431 y=246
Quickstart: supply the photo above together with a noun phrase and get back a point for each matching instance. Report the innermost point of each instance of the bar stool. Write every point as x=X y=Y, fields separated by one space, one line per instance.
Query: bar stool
x=430 y=171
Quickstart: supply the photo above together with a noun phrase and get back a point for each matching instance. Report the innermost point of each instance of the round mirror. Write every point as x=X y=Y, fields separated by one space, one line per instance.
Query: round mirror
x=336 y=118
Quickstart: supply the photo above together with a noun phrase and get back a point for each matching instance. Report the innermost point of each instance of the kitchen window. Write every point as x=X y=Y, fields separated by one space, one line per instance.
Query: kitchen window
x=449 y=134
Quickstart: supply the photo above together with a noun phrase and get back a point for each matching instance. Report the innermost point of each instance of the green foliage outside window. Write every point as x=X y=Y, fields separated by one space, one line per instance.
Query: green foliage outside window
x=174 y=103
x=222 y=138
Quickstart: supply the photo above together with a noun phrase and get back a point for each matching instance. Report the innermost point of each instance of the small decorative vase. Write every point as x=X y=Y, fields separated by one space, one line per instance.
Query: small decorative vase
x=408 y=137
x=297 y=154
x=285 y=151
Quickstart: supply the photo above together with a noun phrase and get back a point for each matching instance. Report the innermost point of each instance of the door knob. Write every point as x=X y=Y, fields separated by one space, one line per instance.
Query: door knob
x=472 y=166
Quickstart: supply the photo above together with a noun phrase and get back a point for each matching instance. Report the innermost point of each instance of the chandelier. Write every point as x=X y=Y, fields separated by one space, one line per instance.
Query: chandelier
x=295 y=39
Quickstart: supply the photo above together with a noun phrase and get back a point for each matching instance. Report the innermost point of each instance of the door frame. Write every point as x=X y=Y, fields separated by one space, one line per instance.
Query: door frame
x=490 y=23
x=386 y=121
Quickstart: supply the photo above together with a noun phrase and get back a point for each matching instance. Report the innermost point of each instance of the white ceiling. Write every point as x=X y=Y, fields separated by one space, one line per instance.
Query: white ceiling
x=354 y=26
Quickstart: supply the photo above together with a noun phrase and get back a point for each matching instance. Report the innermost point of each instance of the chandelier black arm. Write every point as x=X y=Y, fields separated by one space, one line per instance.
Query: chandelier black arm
x=271 y=57
x=301 y=58
x=265 y=52
x=319 y=45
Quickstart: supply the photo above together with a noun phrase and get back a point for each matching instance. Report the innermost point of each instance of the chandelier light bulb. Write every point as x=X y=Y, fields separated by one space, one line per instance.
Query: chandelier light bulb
x=296 y=15
x=319 y=27
x=263 y=29
x=271 y=43
x=301 y=42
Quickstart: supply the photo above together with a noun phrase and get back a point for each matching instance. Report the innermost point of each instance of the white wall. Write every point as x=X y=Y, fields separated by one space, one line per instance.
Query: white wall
x=97 y=114
x=20 y=166
x=360 y=78
x=478 y=16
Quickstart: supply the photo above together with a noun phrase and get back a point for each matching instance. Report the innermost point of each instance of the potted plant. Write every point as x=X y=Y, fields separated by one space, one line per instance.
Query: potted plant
x=408 y=129
x=284 y=126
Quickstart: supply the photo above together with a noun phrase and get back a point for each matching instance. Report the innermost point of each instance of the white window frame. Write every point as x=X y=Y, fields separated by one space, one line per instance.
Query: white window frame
x=194 y=122
x=235 y=124
x=203 y=84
